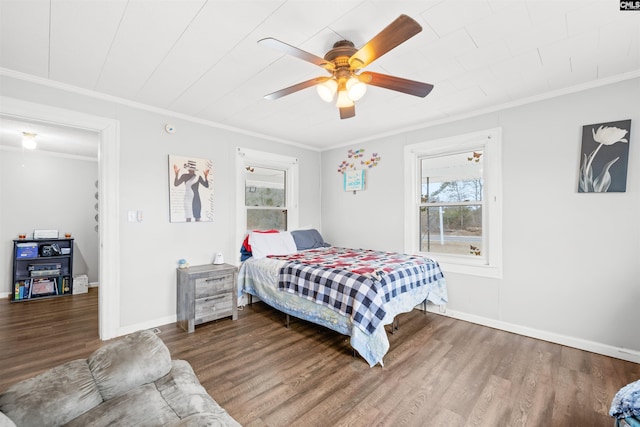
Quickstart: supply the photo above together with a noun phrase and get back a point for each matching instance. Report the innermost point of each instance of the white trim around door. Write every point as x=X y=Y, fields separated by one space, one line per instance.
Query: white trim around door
x=109 y=232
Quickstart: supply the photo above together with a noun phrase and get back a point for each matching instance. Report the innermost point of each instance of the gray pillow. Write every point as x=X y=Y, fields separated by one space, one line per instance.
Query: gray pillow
x=308 y=239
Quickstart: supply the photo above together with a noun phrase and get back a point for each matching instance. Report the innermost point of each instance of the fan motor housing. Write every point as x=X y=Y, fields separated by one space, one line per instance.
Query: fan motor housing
x=342 y=48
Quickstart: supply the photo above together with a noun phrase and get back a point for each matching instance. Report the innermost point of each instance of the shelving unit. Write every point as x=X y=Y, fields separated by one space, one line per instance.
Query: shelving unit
x=42 y=268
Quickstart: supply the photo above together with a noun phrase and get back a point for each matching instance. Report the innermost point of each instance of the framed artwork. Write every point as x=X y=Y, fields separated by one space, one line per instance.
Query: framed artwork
x=354 y=180
x=190 y=189
x=604 y=157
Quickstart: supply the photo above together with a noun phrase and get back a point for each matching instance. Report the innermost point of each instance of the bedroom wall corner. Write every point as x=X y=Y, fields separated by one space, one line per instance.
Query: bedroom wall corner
x=569 y=259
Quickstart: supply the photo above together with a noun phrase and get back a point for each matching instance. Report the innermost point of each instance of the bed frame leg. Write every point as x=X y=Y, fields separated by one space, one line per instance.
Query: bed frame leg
x=287 y=322
x=395 y=325
x=424 y=307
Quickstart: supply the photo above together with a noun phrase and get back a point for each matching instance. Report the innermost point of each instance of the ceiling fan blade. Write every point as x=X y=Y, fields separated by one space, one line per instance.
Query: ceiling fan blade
x=298 y=53
x=399 y=84
x=291 y=89
x=347 y=112
x=396 y=33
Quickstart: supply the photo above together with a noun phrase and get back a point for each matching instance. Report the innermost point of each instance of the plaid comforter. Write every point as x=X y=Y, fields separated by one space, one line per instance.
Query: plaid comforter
x=356 y=283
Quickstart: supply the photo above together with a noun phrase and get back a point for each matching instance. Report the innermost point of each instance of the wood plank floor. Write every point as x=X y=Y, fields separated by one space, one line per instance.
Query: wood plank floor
x=438 y=372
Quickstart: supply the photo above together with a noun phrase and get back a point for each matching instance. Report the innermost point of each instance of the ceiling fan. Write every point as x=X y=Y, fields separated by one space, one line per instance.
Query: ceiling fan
x=344 y=63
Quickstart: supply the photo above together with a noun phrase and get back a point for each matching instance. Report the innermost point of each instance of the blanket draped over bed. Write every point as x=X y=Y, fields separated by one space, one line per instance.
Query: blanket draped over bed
x=354 y=292
x=356 y=283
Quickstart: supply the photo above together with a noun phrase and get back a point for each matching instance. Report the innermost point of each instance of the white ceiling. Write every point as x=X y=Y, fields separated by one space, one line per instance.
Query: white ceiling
x=200 y=58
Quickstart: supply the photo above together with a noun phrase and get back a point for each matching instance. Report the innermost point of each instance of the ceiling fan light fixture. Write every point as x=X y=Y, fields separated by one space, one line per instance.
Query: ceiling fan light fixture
x=29 y=140
x=355 y=88
x=344 y=63
x=327 y=90
x=343 y=99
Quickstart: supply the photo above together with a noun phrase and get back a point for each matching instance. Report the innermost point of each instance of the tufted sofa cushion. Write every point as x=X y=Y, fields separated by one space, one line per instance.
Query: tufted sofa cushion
x=52 y=398
x=142 y=406
x=127 y=363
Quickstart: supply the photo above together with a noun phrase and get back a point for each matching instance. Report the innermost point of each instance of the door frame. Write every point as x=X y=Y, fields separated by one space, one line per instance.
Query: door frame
x=108 y=170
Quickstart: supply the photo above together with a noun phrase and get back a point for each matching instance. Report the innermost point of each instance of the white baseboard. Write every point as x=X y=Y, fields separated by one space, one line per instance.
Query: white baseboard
x=124 y=330
x=592 y=346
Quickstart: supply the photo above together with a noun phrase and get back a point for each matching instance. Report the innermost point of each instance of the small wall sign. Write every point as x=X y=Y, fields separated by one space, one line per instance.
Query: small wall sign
x=354 y=180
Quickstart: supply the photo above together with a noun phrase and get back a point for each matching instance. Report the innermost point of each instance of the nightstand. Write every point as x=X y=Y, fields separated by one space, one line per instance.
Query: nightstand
x=206 y=293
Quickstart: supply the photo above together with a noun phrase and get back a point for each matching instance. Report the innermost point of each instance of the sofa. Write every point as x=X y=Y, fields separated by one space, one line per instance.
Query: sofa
x=130 y=381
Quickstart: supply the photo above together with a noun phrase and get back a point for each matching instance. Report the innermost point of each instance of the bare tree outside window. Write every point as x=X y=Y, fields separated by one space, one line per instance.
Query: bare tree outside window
x=451 y=204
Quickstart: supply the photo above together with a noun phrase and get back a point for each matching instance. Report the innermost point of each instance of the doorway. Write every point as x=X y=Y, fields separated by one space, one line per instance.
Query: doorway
x=108 y=166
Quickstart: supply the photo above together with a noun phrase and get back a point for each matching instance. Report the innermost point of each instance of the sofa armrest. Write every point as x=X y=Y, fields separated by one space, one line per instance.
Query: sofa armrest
x=183 y=392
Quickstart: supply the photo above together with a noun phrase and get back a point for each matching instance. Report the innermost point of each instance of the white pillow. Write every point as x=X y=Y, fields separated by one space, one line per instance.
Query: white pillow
x=263 y=244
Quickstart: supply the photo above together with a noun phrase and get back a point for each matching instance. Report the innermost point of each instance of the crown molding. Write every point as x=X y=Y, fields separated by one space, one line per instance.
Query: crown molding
x=6 y=72
x=512 y=104
x=141 y=106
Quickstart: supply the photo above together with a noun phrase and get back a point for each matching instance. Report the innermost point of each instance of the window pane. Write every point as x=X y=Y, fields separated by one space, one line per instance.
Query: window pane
x=451 y=229
x=264 y=187
x=452 y=178
x=266 y=219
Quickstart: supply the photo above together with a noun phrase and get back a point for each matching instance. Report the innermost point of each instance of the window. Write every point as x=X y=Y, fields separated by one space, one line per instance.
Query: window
x=266 y=191
x=265 y=198
x=453 y=204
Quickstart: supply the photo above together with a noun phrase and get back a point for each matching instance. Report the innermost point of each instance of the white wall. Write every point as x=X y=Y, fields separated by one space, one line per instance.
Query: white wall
x=149 y=250
x=49 y=192
x=570 y=260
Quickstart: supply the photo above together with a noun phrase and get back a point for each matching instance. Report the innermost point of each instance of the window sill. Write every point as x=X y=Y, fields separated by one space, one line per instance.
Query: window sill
x=469 y=267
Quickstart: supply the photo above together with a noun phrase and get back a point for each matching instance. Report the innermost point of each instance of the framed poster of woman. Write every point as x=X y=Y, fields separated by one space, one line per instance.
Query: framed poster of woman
x=190 y=189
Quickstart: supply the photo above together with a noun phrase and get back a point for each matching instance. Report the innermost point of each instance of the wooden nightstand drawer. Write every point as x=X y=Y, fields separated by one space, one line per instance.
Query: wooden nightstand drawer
x=206 y=286
x=213 y=307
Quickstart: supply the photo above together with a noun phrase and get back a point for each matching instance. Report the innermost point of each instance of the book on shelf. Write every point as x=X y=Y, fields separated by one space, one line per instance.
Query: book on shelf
x=43 y=287
x=22 y=289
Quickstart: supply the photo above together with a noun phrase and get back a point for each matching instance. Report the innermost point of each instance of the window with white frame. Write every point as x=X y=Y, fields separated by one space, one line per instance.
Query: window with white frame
x=265 y=198
x=267 y=195
x=453 y=202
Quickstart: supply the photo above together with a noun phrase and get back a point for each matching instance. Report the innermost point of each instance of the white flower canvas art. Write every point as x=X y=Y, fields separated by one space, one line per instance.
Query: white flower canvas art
x=604 y=157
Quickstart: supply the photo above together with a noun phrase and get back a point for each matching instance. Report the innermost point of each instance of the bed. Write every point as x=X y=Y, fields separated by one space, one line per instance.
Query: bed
x=355 y=292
